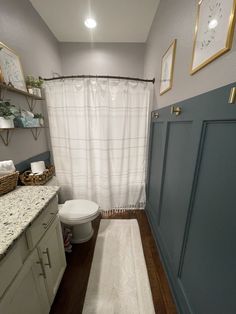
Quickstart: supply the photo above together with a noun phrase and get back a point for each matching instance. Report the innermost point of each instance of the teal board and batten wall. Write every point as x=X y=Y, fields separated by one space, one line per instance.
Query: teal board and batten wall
x=191 y=200
x=25 y=164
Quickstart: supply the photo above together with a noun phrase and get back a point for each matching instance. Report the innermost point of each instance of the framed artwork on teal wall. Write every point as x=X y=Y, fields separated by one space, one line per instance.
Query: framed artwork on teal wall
x=167 y=68
x=214 y=31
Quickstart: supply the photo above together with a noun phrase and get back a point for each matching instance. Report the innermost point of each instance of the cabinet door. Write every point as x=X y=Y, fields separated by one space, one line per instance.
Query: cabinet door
x=27 y=294
x=51 y=250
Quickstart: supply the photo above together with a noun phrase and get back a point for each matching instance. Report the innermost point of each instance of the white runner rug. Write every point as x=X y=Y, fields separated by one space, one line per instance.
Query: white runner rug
x=118 y=281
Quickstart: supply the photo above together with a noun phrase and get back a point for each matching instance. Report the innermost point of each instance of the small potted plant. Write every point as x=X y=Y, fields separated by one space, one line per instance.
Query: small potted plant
x=40 y=119
x=34 y=85
x=7 y=114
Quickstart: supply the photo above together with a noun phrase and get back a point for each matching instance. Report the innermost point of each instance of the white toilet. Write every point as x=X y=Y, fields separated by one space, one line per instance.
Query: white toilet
x=79 y=214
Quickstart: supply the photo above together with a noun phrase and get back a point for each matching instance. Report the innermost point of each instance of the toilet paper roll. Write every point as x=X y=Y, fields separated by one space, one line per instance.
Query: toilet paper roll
x=38 y=167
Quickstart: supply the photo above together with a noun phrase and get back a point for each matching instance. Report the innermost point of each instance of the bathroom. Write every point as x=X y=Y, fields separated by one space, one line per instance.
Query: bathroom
x=117 y=156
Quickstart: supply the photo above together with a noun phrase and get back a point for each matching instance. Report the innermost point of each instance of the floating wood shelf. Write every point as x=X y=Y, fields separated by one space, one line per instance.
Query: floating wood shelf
x=5 y=134
x=18 y=91
x=30 y=98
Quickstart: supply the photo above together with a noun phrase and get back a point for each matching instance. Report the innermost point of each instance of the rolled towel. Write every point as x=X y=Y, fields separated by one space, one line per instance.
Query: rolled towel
x=7 y=166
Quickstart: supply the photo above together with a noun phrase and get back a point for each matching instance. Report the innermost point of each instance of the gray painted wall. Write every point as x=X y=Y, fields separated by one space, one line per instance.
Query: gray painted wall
x=22 y=29
x=176 y=19
x=102 y=58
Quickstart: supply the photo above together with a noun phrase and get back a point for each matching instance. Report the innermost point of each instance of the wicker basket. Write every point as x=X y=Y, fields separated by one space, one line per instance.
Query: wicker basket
x=27 y=178
x=8 y=182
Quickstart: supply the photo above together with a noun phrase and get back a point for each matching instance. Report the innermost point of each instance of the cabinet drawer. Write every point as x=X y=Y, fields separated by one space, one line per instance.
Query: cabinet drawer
x=42 y=223
x=9 y=266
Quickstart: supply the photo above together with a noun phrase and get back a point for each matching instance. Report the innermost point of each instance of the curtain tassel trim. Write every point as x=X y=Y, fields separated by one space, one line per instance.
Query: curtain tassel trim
x=121 y=209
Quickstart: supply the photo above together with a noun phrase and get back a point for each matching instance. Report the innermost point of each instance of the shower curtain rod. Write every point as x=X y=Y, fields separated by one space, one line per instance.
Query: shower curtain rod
x=98 y=76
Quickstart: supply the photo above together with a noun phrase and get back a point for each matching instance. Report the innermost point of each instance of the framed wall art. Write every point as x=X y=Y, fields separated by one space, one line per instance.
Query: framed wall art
x=213 y=31
x=167 y=68
x=10 y=68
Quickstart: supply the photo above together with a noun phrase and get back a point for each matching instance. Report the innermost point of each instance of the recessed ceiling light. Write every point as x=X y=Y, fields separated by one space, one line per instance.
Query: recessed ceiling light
x=90 y=23
x=213 y=23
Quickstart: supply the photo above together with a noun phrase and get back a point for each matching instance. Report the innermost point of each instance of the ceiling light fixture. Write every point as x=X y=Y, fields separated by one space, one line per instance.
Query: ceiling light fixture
x=90 y=23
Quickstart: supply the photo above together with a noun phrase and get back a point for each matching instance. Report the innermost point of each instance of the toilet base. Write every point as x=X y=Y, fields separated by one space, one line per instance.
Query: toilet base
x=82 y=232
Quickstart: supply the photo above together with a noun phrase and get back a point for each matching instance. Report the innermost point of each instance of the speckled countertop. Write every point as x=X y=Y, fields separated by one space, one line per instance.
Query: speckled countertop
x=19 y=208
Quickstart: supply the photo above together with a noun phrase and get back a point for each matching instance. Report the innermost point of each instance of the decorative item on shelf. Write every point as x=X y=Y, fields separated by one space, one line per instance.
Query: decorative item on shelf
x=34 y=85
x=8 y=182
x=11 y=70
x=7 y=115
x=29 y=178
x=214 y=31
x=26 y=119
x=40 y=118
x=167 y=68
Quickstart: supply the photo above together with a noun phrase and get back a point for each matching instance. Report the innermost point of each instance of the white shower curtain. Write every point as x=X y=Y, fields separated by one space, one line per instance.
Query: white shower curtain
x=99 y=130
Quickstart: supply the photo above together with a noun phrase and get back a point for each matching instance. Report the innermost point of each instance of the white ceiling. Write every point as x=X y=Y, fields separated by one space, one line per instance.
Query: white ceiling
x=117 y=20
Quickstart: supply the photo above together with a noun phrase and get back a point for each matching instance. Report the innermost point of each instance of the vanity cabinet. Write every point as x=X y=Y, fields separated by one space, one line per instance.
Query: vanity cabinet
x=36 y=275
x=51 y=252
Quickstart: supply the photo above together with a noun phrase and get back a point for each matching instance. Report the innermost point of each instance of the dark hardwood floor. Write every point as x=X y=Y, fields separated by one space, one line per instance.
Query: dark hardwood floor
x=71 y=293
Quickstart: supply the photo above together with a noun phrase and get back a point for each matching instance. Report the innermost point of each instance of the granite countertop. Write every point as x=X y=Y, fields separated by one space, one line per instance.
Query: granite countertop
x=19 y=208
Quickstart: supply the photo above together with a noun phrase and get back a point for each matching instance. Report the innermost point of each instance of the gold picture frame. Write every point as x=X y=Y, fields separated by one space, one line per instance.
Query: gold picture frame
x=214 y=31
x=167 y=68
x=10 y=68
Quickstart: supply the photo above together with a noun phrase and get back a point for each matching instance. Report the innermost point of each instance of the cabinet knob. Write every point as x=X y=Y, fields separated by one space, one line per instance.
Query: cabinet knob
x=43 y=273
x=45 y=225
x=49 y=259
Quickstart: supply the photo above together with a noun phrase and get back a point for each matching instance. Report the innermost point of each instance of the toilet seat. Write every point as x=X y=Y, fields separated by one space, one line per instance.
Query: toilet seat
x=75 y=212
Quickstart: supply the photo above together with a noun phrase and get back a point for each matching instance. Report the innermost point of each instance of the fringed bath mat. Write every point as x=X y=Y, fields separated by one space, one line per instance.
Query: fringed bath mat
x=118 y=281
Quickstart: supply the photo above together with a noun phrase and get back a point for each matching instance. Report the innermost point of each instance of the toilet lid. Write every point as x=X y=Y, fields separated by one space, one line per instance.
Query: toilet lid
x=78 y=209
